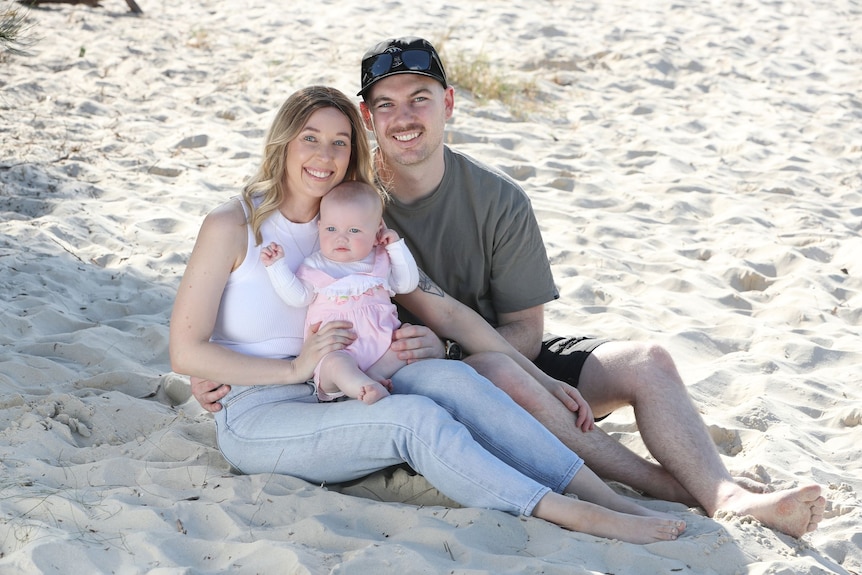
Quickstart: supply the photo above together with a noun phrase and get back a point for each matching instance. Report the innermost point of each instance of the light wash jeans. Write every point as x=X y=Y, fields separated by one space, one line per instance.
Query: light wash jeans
x=468 y=438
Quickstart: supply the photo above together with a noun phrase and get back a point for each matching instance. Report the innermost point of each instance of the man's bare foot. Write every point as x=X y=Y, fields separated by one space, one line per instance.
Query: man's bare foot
x=794 y=511
x=372 y=393
x=753 y=485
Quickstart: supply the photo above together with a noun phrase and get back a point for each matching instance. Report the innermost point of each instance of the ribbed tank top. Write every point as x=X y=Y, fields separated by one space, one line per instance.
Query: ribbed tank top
x=252 y=319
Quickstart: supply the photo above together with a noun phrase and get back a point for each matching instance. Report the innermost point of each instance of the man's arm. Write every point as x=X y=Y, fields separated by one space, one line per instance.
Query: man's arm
x=450 y=318
x=524 y=330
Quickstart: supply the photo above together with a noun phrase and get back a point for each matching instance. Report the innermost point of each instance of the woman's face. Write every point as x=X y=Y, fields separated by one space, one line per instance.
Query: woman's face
x=318 y=158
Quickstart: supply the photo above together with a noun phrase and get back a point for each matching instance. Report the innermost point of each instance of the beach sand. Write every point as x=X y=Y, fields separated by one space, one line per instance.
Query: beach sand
x=695 y=169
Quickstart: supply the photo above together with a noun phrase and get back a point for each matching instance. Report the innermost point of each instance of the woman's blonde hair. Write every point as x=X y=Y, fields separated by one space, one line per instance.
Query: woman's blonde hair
x=268 y=181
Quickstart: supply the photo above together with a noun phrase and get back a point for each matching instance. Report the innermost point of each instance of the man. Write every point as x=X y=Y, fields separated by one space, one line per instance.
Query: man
x=472 y=231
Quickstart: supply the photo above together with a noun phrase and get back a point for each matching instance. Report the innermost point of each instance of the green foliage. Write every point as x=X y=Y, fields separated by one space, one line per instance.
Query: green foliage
x=15 y=32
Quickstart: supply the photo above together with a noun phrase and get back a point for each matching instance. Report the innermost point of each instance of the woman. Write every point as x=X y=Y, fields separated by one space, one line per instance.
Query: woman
x=229 y=325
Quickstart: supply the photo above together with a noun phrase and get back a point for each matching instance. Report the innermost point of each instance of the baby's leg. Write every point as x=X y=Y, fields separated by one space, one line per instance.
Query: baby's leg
x=339 y=372
x=385 y=367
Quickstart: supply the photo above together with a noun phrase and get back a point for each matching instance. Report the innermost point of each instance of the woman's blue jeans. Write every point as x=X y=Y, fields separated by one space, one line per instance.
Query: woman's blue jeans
x=468 y=438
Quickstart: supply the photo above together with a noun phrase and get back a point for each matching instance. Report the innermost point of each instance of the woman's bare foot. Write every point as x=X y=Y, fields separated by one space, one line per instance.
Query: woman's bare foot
x=372 y=393
x=586 y=517
x=794 y=511
x=633 y=528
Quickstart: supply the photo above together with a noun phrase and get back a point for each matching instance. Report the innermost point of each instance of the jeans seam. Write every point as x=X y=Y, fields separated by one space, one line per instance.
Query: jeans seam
x=524 y=509
x=529 y=504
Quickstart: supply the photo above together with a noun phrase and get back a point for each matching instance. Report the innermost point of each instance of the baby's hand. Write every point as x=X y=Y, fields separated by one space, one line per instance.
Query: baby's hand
x=387 y=236
x=271 y=254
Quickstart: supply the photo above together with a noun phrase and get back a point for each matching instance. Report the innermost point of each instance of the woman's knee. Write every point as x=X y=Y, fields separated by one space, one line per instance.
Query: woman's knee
x=506 y=374
x=436 y=377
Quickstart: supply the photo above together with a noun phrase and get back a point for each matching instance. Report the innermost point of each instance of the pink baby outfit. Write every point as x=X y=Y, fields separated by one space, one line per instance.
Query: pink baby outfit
x=360 y=297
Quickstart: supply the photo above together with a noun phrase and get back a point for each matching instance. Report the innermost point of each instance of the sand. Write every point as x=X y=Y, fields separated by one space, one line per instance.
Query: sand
x=695 y=168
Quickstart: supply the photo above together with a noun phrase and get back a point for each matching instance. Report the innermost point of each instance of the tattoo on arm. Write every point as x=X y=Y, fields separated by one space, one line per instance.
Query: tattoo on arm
x=427 y=285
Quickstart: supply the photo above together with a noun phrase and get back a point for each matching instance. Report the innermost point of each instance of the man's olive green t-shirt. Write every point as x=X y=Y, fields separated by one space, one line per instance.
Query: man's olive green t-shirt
x=477 y=237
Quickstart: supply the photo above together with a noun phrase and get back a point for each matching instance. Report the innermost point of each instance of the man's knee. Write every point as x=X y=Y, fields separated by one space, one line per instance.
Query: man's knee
x=617 y=372
x=660 y=359
x=660 y=365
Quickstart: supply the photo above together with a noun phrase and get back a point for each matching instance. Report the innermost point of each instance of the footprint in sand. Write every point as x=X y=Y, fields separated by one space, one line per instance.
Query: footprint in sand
x=726 y=440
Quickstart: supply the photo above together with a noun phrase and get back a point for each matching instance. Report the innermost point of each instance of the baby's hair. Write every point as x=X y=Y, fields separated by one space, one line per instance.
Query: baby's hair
x=355 y=190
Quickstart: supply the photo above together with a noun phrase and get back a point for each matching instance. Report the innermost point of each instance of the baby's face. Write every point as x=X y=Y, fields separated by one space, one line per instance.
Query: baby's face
x=348 y=232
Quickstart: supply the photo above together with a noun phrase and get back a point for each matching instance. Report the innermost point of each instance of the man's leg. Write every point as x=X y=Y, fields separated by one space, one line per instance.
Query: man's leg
x=645 y=377
x=602 y=453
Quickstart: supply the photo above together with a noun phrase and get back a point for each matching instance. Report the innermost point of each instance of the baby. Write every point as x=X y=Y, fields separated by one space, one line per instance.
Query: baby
x=360 y=265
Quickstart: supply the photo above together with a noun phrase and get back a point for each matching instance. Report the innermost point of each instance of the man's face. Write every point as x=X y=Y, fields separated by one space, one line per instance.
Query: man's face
x=408 y=113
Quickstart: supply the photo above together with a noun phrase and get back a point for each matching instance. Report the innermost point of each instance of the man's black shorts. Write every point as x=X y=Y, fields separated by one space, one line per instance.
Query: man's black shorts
x=563 y=357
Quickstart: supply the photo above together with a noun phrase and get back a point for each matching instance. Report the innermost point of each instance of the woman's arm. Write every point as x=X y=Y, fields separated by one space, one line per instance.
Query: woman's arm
x=220 y=248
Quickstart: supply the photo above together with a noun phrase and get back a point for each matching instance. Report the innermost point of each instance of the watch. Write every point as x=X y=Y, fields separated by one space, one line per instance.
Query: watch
x=452 y=350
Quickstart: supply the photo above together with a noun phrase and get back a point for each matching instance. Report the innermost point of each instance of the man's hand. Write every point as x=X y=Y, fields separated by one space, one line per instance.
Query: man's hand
x=415 y=342
x=208 y=393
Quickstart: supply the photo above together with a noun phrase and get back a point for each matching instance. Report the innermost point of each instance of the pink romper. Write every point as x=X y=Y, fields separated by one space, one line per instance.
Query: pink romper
x=360 y=298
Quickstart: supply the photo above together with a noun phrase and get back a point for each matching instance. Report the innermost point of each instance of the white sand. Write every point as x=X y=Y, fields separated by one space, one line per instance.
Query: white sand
x=695 y=167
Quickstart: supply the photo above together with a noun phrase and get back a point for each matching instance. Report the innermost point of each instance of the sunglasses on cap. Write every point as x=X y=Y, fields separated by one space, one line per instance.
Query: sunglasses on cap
x=401 y=61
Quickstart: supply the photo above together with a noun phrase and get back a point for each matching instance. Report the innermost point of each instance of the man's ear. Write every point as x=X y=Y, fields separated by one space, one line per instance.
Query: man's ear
x=366 y=116
x=449 y=101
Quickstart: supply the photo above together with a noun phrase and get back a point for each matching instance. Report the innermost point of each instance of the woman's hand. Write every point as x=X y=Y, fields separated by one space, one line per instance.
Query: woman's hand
x=415 y=342
x=320 y=340
x=575 y=402
x=208 y=393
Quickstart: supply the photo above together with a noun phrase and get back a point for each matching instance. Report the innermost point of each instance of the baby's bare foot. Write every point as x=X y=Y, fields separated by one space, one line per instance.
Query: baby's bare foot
x=372 y=393
x=387 y=383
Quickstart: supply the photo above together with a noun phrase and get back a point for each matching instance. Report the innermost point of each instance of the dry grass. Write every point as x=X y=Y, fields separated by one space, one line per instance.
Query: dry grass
x=485 y=81
x=16 y=34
